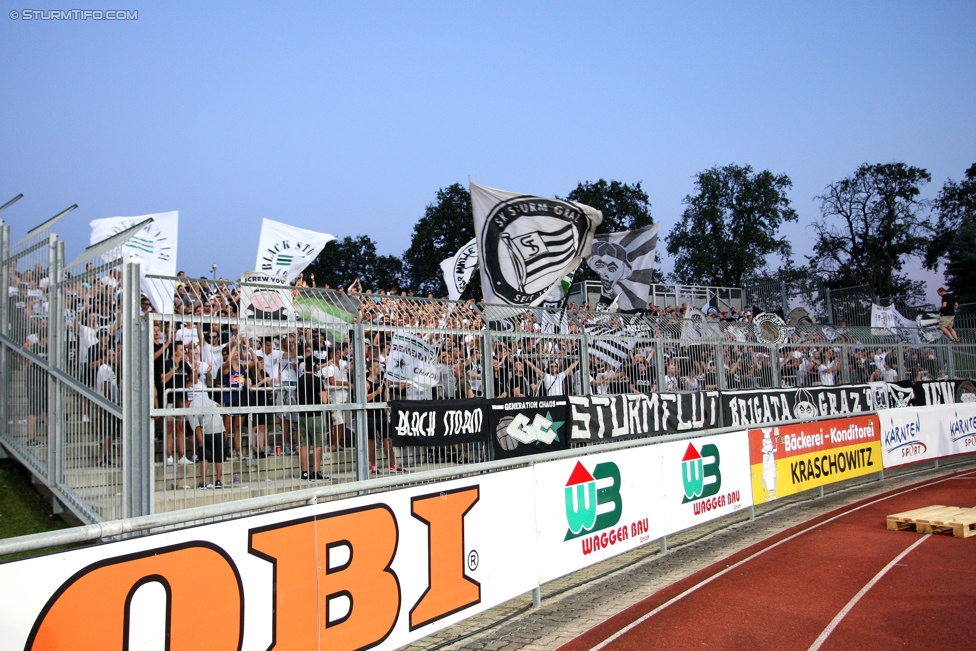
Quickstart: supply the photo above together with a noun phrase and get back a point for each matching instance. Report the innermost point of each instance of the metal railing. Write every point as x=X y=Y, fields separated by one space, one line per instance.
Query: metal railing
x=282 y=388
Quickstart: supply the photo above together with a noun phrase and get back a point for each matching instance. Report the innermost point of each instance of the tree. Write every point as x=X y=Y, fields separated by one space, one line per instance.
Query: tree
x=730 y=226
x=342 y=261
x=447 y=225
x=955 y=236
x=870 y=224
x=624 y=207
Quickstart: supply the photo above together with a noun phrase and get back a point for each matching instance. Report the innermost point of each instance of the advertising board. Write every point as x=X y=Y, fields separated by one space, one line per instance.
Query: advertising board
x=916 y=434
x=794 y=458
x=368 y=572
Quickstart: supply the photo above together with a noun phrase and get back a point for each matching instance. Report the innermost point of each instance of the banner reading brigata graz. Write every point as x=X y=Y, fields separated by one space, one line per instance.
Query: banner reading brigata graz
x=613 y=417
x=924 y=433
x=751 y=408
x=371 y=572
x=792 y=458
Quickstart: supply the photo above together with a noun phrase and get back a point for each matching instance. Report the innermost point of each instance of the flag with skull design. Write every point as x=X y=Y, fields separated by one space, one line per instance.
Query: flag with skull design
x=625 y=263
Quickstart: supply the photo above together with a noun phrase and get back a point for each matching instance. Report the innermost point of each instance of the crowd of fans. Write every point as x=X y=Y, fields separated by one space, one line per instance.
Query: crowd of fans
x=209 y=358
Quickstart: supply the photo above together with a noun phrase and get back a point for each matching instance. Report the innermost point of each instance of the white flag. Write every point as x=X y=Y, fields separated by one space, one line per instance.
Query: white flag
x=154 y=245
x=625 y=263
x=411 y=359
x=459 y=268
x=526 y=244
x=285 y=250
x=890 y=319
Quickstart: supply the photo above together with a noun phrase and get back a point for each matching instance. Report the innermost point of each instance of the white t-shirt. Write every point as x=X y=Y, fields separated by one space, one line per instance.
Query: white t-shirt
x=271 y=364
x=826 y=372
x=338 y=373
x=106 y=381
x=187 y=334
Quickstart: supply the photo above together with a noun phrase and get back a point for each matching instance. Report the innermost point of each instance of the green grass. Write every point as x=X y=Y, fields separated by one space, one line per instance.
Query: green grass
x=22 y=510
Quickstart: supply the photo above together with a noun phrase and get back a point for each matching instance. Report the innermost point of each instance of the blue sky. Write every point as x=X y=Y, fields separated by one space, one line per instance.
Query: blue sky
x=347 y=117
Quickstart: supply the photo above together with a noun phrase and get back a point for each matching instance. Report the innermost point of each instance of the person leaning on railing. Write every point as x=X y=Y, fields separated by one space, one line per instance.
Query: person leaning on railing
x=175 y=379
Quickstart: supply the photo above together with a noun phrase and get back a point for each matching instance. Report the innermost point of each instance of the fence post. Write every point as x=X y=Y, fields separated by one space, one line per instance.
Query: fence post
x=55 y=360
x=358 y=334
x=584 y=353
x=783 y=298
x=828 y=306
x=901 y=362
x=951 y=362
x=137 y=432
x=777 y=381
x=4 y=293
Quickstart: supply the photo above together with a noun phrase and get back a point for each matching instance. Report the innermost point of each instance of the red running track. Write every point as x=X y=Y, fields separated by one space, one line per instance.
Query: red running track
x=838 y=581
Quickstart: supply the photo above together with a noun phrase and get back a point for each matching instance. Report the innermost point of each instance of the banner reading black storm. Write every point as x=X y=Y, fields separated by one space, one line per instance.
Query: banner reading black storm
x=597 y=418
x=437 y=422
x=521 y=426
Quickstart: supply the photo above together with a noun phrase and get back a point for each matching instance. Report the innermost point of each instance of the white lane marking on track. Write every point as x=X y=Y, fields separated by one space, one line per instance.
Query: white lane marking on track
x=728 y=569
x=863 y=591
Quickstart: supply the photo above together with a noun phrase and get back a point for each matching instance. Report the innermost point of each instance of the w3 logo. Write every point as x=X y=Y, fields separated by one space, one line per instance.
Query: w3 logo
x=583 y=498
x=701 y=479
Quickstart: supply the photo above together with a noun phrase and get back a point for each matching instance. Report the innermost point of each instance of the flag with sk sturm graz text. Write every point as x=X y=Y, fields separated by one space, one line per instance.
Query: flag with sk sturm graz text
x=526 y=244
x=459 y=268
x=285 y=250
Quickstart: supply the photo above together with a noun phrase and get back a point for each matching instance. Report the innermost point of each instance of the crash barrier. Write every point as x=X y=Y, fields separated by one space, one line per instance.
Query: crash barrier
x=383 y=570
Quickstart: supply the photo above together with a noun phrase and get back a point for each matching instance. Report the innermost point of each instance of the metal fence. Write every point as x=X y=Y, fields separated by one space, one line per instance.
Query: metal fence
x=234 y=390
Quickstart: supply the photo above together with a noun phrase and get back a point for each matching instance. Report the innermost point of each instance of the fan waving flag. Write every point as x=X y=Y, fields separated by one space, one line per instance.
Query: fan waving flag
x=458 y=269
x=285 y=250
x=625 y=263
x=526 y=244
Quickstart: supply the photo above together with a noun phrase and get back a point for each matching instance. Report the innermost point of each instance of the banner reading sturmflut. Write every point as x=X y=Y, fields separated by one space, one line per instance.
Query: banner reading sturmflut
x=459 y=268
x=285 y=250
x=625 y=263
x=154 y=245
x=526 y=244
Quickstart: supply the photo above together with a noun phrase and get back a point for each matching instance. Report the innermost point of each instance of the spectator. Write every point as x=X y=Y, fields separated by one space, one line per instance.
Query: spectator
x=947 y=314
x=208 y=429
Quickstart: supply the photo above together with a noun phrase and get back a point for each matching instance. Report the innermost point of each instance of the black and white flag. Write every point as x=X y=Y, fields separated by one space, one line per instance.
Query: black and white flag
x=459 y=268
x=526 y=244
x=625 y=263
x=285 y=250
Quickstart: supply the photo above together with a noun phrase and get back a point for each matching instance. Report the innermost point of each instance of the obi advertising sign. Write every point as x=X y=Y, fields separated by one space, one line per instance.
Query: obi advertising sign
x=704 y=479
x=368 y=572
x=924 y=433
x=591 y=508
x=793 y=458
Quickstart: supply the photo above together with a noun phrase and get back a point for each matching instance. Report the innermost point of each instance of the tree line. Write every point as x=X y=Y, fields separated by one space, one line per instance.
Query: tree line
x=870 y=225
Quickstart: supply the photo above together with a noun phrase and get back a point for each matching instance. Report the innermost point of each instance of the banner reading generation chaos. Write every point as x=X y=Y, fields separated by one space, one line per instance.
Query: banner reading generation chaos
x=521 y=426
x=794 y=458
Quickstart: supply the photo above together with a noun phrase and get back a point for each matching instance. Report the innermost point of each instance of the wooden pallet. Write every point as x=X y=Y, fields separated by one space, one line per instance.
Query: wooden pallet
x=936 y=519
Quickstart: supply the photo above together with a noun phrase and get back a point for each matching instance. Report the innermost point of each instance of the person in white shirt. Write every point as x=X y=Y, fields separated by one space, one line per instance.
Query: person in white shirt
x=288 y=374
x=107 y=385
x=336 y=376
x=827 y=369
x=553 y=380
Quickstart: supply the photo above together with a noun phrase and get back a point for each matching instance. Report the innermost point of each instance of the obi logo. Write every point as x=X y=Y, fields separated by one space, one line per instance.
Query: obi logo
x=701 y=478
x=584 y=499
